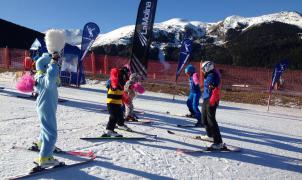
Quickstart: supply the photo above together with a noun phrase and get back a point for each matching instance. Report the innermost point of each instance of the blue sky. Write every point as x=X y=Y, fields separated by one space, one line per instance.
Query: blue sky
x=111 y=14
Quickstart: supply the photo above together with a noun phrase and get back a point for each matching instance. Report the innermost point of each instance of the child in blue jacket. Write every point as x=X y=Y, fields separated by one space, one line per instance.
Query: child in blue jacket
x=210 y=104
x=195 y=94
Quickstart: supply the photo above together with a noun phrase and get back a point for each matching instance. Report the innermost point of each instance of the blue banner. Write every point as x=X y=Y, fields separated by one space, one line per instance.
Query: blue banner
x=90 y=33
x=142 y=37
x=185 y=53
x=279 y=69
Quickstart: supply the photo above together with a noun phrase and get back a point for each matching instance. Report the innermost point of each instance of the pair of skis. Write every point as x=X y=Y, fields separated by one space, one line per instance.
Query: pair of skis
x=140 y=121
x=188 y=136
x=41 y=171
x=226 y=148
x=188 y=126
x=38 y=170
x=59 y=151
x=112 y=138
x=146 y=137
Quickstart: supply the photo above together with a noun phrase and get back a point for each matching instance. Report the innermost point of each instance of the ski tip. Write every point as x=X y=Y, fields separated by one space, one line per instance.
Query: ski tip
x=170 y=132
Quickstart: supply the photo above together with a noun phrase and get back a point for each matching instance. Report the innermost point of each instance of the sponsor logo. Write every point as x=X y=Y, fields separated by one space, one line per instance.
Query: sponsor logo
x=142 y=39
x=146 y=18
x=186 y=46
x=145 y=24
x=90 y=32
x=137 y=66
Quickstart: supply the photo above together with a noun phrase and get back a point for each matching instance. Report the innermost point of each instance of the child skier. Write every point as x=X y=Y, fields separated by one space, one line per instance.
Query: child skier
x=47 y=100
x=194 y=96
x=210 y=104
x=118 y=78
x=132 y=87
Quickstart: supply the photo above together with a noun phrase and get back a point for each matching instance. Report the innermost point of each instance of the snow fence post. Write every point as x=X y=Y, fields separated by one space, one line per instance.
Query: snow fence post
x=92 y=57
x=6 y=58
x=105 y=64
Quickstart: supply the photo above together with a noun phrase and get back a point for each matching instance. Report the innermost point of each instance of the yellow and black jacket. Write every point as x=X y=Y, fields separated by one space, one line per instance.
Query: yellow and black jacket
x=114 y=96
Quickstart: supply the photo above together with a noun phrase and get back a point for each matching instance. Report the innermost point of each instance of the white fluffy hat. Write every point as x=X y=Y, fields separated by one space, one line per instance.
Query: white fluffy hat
x=55 y=40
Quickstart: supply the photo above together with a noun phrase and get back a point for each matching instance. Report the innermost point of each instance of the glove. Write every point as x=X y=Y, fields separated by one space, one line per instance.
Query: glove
x=214 y=99
x=55 y=58
x=125 y=98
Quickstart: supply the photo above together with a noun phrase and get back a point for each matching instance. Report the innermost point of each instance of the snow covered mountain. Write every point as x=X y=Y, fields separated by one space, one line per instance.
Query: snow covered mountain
x=177 y=27
x=252 y=41
x=171 y=31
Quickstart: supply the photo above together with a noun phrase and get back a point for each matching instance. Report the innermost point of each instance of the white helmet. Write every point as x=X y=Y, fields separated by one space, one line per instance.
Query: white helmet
x=207 y=66
x=134 y=77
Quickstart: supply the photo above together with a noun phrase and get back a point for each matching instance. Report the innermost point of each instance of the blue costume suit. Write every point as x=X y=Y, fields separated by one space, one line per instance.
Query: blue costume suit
x=193 y=99
x=46 y=103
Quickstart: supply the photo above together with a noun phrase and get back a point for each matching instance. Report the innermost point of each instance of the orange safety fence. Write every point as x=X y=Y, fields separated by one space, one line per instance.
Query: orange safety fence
x=234 y=77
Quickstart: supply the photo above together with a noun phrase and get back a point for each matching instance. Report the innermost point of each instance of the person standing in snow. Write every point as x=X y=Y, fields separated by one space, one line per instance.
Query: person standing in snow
x=46 y=104
x=194 y=96
x=210 y=103
x=131 y=88
x=115 y=88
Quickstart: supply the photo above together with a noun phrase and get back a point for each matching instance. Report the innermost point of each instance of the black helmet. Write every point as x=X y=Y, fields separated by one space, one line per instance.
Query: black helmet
x=124 y=75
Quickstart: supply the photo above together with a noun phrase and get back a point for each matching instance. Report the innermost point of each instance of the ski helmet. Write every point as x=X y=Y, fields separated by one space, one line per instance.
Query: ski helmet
x=207 y=66
x=190 y=69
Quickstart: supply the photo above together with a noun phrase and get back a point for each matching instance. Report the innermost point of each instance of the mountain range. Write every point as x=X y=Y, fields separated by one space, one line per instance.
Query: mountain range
x=253 y=41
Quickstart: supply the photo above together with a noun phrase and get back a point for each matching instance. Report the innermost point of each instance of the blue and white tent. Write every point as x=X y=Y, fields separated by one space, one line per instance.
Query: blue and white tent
x=70 y=61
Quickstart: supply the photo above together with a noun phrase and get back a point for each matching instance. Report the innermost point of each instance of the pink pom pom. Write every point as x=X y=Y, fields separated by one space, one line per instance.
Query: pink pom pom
x=138 y=88
x=26 y=83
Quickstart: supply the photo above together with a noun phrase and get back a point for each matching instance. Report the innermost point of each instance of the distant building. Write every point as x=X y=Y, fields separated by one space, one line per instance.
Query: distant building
x=16 y=36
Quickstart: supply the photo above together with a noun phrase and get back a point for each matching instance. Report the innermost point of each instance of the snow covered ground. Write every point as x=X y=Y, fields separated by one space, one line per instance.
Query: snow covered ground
x=271 y=142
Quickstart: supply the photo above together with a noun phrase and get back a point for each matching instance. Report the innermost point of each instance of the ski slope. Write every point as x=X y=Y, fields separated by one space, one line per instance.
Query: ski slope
x=271 y=142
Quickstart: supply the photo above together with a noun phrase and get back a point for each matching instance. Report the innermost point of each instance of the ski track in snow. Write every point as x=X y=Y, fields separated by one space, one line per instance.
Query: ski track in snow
x=271 y=142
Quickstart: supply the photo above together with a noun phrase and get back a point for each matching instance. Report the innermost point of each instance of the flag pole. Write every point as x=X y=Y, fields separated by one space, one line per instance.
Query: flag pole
x=268 y=101
x=174 y=92
x=269 y=95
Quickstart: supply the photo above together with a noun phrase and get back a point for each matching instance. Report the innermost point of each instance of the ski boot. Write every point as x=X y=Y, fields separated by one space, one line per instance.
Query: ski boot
x=191 y=115
x=110 y=133
x=43 y=163
x=46 y=162
x=131 y=119
x=218 y=146
x=124 y=127
x=37 y=146
x=206 y=138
